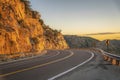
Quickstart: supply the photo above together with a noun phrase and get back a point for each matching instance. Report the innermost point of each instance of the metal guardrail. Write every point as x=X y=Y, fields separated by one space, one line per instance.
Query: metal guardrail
x=112 y=55
x=114 y=59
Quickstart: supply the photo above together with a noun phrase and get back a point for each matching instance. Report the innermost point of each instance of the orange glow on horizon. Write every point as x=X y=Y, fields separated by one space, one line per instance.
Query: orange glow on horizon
x=106 y=36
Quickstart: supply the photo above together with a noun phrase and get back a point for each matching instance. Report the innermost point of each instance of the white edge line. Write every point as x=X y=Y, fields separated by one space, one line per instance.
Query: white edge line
x=69 y=70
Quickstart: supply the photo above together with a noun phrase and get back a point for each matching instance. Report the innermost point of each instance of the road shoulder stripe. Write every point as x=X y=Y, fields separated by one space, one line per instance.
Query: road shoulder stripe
x=37 y=66
x=69 y=70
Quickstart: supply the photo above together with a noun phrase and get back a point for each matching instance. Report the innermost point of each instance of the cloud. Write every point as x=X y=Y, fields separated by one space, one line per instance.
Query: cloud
x=104 y=33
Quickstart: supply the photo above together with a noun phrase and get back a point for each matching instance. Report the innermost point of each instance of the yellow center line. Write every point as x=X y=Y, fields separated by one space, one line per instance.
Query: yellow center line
x=37 y=66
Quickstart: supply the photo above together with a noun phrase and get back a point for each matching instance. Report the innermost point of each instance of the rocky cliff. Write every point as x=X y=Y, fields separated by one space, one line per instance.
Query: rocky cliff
x=21 y=29
x=53 y=38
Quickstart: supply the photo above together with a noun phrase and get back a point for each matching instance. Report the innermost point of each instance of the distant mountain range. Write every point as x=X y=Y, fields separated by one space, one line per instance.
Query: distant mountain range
x=75 y=41
x=113 y=47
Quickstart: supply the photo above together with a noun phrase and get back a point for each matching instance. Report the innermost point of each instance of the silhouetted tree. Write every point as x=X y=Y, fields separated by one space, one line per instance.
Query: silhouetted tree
x=36 y=14
x=27 y=5
x=41 y=21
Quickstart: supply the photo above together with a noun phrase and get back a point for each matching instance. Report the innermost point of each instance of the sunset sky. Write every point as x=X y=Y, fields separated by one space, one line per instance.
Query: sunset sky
x=82 y=17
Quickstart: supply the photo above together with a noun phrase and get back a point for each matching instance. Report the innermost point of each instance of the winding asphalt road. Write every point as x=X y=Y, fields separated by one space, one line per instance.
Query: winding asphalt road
x=44 y=67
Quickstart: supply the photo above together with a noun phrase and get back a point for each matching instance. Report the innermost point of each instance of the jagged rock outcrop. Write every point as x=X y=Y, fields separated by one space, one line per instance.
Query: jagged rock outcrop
x=53 y=38
x=22 y=31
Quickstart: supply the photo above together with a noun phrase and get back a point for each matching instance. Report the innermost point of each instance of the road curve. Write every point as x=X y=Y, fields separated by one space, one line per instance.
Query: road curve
x=44 y=67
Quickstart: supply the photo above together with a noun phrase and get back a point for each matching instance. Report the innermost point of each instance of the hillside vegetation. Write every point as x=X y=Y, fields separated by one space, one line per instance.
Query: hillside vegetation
x=88 y=42
x=113 y=47
x=75 y=41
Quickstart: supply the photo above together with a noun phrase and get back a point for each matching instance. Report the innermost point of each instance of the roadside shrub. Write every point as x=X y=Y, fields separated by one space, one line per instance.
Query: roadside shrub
x=21 y=21
x=36 y=14
x=22 y=24
x=34 y=40
x=41 y=21
x=28 y=8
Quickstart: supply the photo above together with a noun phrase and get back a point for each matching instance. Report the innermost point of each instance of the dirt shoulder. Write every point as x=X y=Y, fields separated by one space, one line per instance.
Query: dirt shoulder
x=96 y=69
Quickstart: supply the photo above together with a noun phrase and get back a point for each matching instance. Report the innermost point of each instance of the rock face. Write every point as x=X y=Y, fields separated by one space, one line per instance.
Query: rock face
x=22 y=31
x=53 y=39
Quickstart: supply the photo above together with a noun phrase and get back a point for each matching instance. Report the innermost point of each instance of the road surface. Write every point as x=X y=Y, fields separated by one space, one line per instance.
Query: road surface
x=96 y=69
x=43 y=67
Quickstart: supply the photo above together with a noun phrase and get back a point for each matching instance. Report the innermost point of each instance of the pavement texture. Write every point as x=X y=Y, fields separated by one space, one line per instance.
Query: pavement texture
x=43 y=67
x=96 y=69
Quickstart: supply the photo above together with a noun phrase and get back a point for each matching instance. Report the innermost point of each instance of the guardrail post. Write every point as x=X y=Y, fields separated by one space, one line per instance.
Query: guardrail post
x=105 y=57
x=114 y=61
x=109 y=59
x=119 y=63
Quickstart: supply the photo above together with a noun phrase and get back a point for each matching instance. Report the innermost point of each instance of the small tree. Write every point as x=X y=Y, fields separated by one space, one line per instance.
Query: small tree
x=27 y=5
x=41 y=21
x=35 y=14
